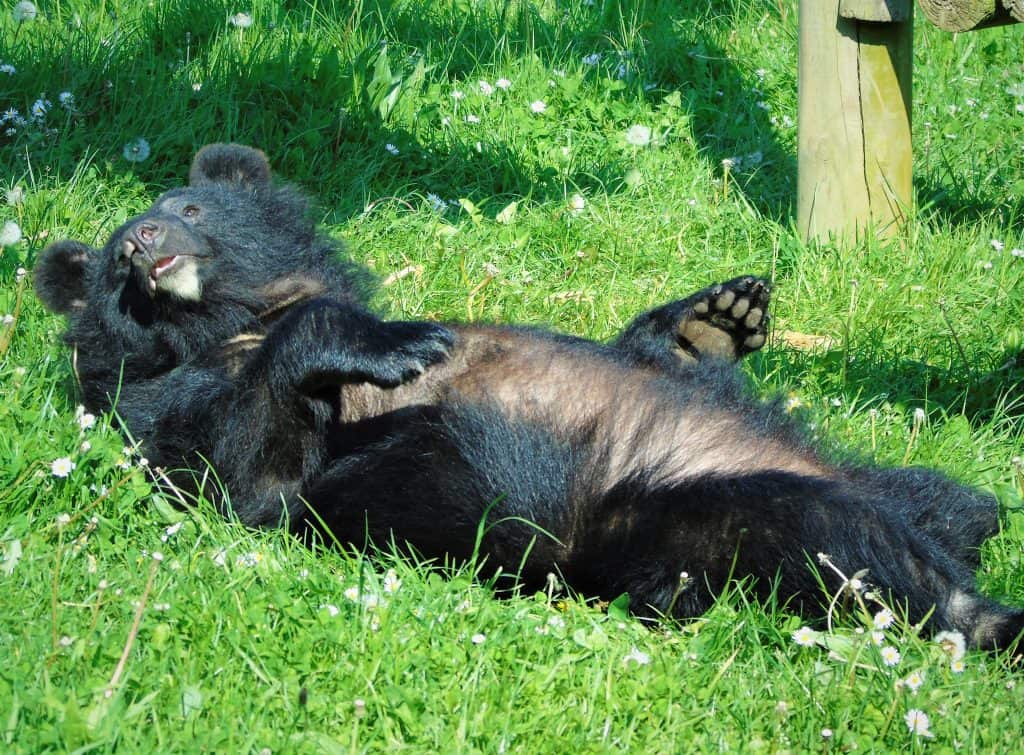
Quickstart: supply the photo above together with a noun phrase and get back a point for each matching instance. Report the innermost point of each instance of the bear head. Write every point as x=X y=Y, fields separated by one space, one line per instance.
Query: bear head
x=197 y=267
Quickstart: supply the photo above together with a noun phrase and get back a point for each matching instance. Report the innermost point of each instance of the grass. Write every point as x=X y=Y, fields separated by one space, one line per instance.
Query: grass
x=244 y=641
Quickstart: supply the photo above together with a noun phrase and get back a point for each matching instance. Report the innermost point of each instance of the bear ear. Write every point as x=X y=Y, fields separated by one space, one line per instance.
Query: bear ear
x=61 y=276
x=229 y=163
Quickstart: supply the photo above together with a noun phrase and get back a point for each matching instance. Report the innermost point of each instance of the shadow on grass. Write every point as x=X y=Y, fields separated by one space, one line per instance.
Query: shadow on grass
x=981 y=390
x=304 y=98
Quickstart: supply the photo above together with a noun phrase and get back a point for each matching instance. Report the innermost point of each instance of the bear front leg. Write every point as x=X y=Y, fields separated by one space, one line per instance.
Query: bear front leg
x=324 y=344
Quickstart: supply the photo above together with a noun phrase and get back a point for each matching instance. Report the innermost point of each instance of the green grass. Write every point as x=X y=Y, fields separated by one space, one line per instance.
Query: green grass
x=247 y=641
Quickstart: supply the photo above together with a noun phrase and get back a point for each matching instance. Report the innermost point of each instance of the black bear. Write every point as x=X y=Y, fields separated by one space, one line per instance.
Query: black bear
x=228 y=332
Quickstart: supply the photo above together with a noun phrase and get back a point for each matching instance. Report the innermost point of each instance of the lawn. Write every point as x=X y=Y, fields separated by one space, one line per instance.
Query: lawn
x=544 y=162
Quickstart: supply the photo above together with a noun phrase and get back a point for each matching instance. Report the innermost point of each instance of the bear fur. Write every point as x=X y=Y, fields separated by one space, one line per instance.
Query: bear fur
x=226 y=332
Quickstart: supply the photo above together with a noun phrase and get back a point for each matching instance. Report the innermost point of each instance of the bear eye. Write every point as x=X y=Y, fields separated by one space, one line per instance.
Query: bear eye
x=190 y=211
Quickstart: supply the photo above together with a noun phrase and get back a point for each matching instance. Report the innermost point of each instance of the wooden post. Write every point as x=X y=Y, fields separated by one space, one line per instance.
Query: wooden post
x=854 y=116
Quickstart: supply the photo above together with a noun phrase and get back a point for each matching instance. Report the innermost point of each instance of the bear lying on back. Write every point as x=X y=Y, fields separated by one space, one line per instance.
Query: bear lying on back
x=229 y=332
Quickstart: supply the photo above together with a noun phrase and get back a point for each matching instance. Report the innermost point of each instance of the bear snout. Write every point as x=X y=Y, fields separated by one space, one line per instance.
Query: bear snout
x=146 y=236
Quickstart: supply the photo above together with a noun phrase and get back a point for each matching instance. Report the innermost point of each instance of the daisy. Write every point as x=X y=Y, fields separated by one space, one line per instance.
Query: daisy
x=637 y=656
x=884 y=619
x=890 y=655
x=391 y=582
x=391 y=149
x=804 y=637
x=62 y=467
x=39 y=108
x=914 y=681
x=436 y=203
x=918 y=723
x=478 y=638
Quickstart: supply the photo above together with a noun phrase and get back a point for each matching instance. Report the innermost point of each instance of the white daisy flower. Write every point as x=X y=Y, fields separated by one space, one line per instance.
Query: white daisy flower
x=637 y=656
x=918 y=723
x=62 y=467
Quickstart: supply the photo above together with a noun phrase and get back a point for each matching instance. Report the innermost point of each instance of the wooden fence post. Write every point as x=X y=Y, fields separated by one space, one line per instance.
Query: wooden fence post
x=854 y=116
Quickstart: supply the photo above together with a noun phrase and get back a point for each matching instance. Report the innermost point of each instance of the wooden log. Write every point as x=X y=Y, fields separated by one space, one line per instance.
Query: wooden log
x=1016 y=8
x=965 y=15
x=880 y=11
x=854 y=122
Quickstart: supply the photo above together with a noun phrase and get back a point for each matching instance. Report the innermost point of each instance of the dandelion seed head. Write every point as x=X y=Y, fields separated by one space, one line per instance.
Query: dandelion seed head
x=952 y=643
x=503 y=83
x=638 y=135
x=478 y=638
x=538 y=107
x=15 y=196
x=240 y=20
x=485 y=87
x=330 y=608
x=637 y=656
x=457 y=94
x=25 y=11
x=8 y=69
x=136 y=151
x=577 y=204
x=997 y=245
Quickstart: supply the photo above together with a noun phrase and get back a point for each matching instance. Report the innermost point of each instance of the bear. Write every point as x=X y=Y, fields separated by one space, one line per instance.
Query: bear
x=228 y=333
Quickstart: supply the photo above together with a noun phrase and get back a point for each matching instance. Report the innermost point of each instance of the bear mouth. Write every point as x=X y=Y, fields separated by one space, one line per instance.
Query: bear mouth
x=161 y=267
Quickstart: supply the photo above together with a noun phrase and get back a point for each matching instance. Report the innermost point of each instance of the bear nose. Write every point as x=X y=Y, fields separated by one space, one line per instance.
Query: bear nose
x=144 y=237
x=147 y=232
